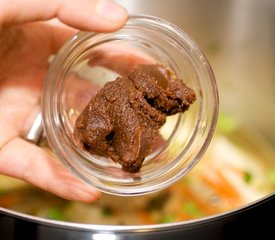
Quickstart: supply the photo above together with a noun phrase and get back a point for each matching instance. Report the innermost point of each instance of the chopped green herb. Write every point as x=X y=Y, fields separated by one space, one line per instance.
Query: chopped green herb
x=247 y=176
x=271 y=176
x=227 y=123
x=107 y=211
x=192 y=209
x=55 y=213
x=167 y=219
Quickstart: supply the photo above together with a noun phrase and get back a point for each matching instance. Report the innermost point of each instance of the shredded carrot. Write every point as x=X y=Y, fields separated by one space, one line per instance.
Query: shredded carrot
x=10 y=199
x=145 y=216
x=222 y=187
x=187 y=194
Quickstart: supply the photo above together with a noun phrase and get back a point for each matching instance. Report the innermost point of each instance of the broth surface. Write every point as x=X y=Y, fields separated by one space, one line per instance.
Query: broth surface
x=237 y=169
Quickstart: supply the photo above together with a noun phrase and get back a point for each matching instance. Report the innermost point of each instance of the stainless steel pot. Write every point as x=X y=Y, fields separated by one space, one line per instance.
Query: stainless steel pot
x=245 y=223
x=238 y=39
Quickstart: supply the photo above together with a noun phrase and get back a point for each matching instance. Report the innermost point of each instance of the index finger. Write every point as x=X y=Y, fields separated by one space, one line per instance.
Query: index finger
x=89 y=15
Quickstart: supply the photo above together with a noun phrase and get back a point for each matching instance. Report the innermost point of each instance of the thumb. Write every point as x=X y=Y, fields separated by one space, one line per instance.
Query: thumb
x=89 y=15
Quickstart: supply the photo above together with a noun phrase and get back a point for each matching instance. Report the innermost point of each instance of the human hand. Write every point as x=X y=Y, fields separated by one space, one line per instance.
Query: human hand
x=27 y=39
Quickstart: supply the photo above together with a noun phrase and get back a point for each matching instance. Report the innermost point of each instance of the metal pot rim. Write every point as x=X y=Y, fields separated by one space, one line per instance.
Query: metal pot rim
x=134 y=228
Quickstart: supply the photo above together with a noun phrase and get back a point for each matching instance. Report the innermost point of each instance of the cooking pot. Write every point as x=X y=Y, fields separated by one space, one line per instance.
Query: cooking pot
x=244 y=223
x=238 y=39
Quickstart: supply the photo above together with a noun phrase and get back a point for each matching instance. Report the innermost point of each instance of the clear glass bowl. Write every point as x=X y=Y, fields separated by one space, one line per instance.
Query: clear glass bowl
x=88 y=60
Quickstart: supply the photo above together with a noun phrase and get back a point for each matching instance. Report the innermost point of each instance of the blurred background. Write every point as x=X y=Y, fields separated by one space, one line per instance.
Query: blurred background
x=238 y=38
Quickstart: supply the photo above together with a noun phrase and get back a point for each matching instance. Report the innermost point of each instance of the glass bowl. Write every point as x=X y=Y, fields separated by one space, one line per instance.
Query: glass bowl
x=89 y=60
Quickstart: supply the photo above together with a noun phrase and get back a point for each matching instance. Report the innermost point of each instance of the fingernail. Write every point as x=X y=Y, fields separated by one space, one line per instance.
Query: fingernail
x=111 y=11
x=83 y=192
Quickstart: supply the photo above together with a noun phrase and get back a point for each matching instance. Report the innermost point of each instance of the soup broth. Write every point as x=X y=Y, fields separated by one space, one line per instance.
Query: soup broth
x=237 y=169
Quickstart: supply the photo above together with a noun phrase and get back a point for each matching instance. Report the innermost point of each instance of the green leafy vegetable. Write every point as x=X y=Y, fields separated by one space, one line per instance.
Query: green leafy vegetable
x=271 y=176
x=168 y=218
x=55 y=213
x=247 y=176
x=227 y=123
x=107 y=211
x=192 y=209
